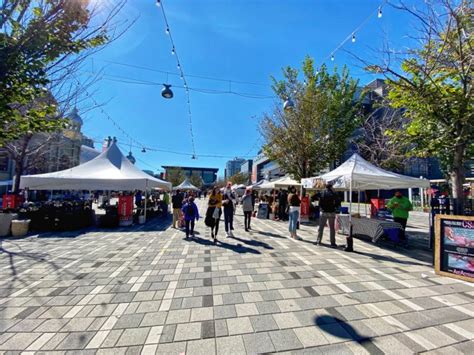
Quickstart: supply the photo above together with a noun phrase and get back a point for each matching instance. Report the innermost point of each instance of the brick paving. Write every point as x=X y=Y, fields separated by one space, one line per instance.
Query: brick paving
x=147 y=290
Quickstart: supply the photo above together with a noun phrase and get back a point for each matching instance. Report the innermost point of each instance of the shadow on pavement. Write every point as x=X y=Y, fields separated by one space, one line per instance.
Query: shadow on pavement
x=339 y=328
x=273 y=235
x=388 y=258
x=238 y=248
x=254 y=243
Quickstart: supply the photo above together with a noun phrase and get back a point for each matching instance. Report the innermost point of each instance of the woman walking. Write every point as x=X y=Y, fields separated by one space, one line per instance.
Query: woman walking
x=294 y=203
x=247 y=207
x=191 y=213
x=214 y=212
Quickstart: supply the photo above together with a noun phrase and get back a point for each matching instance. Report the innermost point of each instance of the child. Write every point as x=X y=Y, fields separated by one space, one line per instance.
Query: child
x=191 y=213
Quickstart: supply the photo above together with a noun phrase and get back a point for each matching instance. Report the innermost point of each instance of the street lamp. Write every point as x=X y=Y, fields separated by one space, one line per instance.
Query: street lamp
x=166 y=92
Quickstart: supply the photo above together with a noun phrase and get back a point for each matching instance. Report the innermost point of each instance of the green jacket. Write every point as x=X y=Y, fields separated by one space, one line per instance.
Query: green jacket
x=400 y=206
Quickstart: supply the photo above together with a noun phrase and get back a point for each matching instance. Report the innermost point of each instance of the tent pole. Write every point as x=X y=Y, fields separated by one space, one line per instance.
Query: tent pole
x=349 y=246
x=358 y=202
x=146 y=198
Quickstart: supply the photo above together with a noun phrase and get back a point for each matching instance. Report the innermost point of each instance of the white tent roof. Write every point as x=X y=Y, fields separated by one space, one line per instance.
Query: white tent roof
x=284 y=181
x=364 y=176
x=186 y=185
x=238 y=187
x=108 y=171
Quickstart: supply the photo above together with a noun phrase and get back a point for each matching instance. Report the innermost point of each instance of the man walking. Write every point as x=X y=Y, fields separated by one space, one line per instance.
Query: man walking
x=328 y=203
x=177 y=202
x=400 y=207
x=228 y=203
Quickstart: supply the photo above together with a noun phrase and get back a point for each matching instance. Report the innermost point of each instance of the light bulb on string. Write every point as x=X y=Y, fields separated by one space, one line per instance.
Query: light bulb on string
x=379 y=14
x=332 y=57
x=167 y=31
x=173 y=51
x=158 y=3
x=179 y=66
x=353 y=38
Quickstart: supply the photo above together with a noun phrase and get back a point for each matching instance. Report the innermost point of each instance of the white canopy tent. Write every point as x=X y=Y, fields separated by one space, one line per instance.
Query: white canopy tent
x=110 y=170
x=186 y=186
x=357 y=173
x=282 y=182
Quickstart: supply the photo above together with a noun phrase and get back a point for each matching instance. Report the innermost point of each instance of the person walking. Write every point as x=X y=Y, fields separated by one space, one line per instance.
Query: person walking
x=177 y=204
x=228 y=203
x=294 y=203
x=191 y=214
x=247 y=207
x=400 y=207
x=329 y=203
x=213 y=213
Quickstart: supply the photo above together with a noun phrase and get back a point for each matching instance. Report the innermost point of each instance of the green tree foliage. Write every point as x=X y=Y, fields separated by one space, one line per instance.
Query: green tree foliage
x=239 y=179
x=37 y=41
x=315 y=132
x=175 y=175
x=196 y=179
x=434 y=87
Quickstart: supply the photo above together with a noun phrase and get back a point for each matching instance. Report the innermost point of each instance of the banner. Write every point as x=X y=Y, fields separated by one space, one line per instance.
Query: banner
x=454 y=246
x=304 y=210
x=125 y=210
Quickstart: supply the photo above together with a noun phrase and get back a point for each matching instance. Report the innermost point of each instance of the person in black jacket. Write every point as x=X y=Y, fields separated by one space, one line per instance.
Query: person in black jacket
x=329 y=203
x=177 y=202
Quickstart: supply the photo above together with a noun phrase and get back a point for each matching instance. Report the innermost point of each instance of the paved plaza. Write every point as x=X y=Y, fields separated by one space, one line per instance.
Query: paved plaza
x=146 y=289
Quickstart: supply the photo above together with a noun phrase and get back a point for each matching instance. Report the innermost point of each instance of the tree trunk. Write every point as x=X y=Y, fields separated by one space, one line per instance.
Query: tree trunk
x=457 y=180
x=19 y=164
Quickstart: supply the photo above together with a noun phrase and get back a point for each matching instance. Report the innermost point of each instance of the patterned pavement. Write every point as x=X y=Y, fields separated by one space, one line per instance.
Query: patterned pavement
x=147 y=290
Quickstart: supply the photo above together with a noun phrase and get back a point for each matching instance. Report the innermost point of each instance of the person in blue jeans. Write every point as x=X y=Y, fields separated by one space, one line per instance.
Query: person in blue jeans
x=228 y=204
x=191 y=213
x=294 y=203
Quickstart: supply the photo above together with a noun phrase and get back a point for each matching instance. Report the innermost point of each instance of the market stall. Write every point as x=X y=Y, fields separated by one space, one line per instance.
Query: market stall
x=186 y=186
x=109 y=171
x=266 y=209
x=357 y=174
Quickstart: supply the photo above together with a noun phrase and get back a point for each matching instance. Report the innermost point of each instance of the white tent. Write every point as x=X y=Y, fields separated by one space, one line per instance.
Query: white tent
x=282 y=182
x=108 y=171
x=186 y=186
x=358 y=174
x=238 y=187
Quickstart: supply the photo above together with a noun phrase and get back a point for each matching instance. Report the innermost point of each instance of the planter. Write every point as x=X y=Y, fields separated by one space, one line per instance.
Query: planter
x=20 y=227
x=5 y=223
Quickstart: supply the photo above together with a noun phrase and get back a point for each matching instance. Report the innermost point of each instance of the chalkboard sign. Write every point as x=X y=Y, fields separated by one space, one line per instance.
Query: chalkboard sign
x=262 y=211
x=454 y=247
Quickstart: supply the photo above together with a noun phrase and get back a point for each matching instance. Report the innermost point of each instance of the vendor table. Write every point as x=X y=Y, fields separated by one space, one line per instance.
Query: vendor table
x=374 y=228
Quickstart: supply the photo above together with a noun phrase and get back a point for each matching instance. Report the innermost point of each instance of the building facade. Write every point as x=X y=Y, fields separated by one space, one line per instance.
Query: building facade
x=208 y=175
x=232 y=167
x=48 y=152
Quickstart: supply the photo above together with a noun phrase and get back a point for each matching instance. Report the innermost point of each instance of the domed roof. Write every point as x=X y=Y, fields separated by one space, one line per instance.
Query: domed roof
x=74 y=116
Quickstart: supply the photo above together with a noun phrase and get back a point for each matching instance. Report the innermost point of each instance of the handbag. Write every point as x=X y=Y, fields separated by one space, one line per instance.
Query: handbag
x=216 y=214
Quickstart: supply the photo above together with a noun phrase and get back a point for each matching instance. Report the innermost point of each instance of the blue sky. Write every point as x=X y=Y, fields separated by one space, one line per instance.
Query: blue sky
x=233 y=40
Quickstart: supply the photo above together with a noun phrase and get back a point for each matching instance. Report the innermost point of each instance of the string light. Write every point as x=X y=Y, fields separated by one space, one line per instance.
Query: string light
x=158 y=3
x=178 y=64
x=352 y=36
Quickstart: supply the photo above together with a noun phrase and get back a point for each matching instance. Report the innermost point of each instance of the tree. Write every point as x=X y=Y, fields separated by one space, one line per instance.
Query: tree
x=434 y=85
x=315 y=132
x=42 y=43
x=196 y=179
x=374 y=142
x=175 y=175
x=239 y=178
